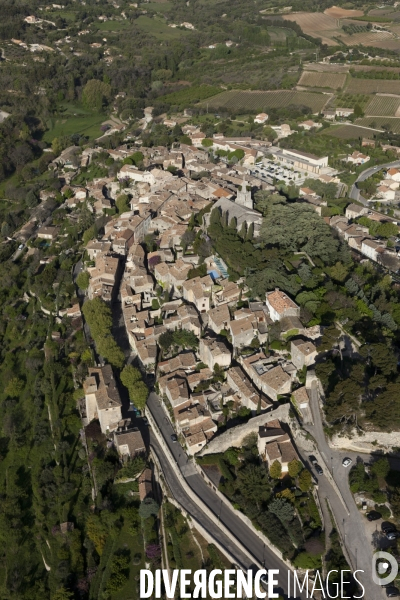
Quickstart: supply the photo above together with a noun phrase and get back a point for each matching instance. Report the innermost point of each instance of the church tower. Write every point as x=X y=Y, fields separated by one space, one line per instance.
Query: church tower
x=244 y=197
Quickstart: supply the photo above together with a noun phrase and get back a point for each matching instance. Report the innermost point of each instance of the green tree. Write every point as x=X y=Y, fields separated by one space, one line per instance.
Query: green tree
x=138 y=390
x=305 y=480
x=14 y=387
x=89 y=234
x=295 y=466
x=83 y=280
x=282 y=509
x=148 y=508
x=330 y=339
x=96 y=94
x=207 y=143
x=122 y=203
x=381 y=467
x=275 y=470
x=358 y=111
x=338 y=272
x=62 y=594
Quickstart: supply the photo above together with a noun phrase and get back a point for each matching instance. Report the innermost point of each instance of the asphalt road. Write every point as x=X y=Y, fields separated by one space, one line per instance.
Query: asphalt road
x=355 y=192
x=352 y=524
x=225 y=514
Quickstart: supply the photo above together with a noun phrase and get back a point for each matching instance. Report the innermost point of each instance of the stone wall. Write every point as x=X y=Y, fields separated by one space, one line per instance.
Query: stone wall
x=235 y=435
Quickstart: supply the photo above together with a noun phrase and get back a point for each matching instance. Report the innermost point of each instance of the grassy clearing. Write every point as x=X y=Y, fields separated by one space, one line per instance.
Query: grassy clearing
x=160 y=30
x=348 y=132
x=86 y=125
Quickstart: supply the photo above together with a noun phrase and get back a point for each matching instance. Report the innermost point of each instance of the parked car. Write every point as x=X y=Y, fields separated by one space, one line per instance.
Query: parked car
x=319 y=469
x=312 y=459
x=20 y=247
x=373 y=515
x=392 y=592
x=346 y=462
x=174 y=438
x=388 y=527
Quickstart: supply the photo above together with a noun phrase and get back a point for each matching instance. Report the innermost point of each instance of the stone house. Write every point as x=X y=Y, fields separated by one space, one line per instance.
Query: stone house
x=242 y=331
x=102 y=398
x=219 y=318
x=129 y=443
x=213 y=352
x=303 y=353
x=276 y=445
x=267 y=375
x=280 y=305
x=197 y=291
x=244 y=391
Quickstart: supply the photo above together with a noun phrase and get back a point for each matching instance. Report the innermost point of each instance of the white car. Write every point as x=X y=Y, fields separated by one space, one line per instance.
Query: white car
x=346 y=462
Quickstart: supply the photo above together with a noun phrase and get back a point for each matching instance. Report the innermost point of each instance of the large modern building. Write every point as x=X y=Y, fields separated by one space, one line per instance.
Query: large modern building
x=300 y=160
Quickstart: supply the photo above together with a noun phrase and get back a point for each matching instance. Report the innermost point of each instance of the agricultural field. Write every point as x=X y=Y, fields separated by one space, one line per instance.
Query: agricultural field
x=373 y=86
x=317 y=25
x=385 y=106
x=342 y=13
x=329 y=29
x=326 y=68
x=385 y=123
x=322 y=80
x=348 y=132
x=381 y=39
x=258 y=100
x=350 y=100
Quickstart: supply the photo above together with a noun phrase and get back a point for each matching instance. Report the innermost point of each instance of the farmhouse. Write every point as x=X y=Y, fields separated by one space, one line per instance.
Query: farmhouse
x=344 y=112
x=357 y=158
x=307 y=125
x=261 y=118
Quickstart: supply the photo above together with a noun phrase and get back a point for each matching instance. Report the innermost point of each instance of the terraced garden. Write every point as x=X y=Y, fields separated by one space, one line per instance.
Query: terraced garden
x=259 y=100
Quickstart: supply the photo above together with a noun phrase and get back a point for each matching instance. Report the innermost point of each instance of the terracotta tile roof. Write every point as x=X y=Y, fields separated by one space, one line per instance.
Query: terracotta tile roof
x=280 y=301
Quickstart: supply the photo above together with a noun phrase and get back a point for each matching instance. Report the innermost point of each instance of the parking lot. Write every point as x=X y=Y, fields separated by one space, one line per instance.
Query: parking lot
x=268 y=171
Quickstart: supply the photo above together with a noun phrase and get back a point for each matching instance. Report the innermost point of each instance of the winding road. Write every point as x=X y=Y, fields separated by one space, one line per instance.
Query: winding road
x=354 y=527
x=355 y=192
x=225 y=514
